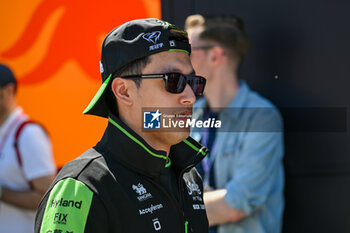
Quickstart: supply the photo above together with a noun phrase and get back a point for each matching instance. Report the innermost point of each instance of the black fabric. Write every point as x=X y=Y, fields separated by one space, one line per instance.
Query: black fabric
x=117 y=165
x=168 y=179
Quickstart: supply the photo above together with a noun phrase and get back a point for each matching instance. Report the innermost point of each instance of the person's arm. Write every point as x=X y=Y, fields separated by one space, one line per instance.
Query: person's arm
x=37 y=166
x=218 y=211
x=71 y=206
x=257 y=173
x=28 y=199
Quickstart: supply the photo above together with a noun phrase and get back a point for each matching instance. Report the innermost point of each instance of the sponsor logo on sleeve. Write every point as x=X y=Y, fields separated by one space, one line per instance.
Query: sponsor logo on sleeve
x=67 y=207
x=60 y=218
x=66 y=203
x=58 y=231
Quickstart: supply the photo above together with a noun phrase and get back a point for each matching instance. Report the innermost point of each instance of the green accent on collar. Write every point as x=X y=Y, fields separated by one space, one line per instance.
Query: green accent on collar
x=182 y=50
x=194 y=147
x=138 y=142
x=98 y=94
x=168 y=163
x=68 y=207
x=186 y=225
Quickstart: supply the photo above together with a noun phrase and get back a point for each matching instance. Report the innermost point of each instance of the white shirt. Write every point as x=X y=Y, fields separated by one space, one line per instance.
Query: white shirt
x=37 y=161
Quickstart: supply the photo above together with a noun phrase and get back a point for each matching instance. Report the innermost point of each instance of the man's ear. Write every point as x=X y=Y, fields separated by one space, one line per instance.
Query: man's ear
x=216 y=55
x=121 y=90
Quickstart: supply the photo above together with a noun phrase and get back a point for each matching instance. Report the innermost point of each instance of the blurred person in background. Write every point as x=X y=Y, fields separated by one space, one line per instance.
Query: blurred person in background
x=27 y=167
x=243 y=173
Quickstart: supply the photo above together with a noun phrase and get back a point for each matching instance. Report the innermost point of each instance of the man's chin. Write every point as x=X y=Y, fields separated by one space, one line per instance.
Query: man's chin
x=185 y=134
x=180 y=136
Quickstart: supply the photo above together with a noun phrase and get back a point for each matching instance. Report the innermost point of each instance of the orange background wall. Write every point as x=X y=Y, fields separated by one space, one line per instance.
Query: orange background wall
x=53 y=47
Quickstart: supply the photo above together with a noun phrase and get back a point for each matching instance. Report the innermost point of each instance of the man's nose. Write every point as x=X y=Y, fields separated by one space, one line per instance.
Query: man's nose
x=188 y=96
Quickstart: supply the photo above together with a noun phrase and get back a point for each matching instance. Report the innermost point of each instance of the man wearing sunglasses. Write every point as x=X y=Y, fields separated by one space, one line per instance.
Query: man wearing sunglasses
x=243 y=172
x=135 y=181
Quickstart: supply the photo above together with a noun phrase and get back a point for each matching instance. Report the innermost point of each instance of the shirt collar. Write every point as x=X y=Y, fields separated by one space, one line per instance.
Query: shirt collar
x=235 y=107
x=8 y=122
x=125 y=146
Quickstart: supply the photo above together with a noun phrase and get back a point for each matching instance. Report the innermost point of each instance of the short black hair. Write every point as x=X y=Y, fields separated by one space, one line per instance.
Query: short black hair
x=135 y=67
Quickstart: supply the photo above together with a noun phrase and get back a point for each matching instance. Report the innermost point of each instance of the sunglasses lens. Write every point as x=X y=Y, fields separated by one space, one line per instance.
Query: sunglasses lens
x=175 y=83
x=197 y=84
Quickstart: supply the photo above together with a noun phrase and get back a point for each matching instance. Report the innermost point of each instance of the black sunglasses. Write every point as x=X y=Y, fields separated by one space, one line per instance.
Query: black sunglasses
x=176 y=82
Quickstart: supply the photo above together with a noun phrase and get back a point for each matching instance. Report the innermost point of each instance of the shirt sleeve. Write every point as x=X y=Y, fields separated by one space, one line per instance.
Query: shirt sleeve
x=36 y=152
x=258 y=171
x=71 y=207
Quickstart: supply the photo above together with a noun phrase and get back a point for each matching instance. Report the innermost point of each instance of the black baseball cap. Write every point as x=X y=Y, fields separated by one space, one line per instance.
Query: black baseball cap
x=129 y=42
x=6 y=76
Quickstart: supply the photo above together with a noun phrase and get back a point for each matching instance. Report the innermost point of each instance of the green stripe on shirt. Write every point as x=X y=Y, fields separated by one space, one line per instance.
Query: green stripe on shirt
x=67 y=208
